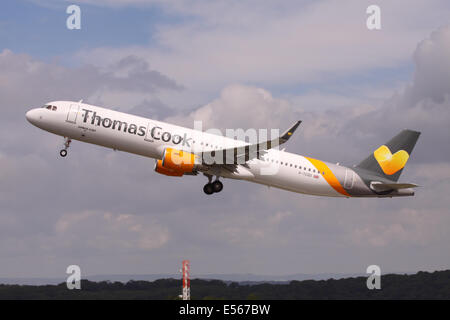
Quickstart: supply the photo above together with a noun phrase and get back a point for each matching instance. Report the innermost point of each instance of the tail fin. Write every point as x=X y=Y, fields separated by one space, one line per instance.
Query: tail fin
x=388 y=160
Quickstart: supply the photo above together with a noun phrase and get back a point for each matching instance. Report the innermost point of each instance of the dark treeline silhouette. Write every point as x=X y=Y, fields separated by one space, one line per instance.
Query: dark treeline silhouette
x=423 y=285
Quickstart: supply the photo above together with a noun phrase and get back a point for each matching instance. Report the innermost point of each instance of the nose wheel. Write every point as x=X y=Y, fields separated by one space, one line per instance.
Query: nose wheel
x=63 y=152
x=212 y=187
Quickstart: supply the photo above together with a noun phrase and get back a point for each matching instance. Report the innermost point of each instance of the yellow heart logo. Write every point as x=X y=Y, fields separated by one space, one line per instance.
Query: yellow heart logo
x=390 y=163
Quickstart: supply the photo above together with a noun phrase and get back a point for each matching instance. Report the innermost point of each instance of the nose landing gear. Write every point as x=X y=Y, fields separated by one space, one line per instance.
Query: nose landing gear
x=63 y=152
x=212 y=187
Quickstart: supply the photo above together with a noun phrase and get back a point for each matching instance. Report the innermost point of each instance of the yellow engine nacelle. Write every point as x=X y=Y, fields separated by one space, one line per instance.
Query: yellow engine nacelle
x=168 y=172
x=175 y=163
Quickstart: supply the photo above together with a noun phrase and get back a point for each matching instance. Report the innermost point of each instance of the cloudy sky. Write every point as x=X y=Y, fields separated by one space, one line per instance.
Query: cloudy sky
x=231 y=64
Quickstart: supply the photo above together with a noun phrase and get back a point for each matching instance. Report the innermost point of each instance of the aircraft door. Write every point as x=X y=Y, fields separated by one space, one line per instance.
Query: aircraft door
x=349 y=179
x=151 y=130
x=73 y=113
x=148 y=135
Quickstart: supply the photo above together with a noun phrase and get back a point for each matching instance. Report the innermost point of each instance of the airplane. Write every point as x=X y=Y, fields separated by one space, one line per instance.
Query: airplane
x=180 y=151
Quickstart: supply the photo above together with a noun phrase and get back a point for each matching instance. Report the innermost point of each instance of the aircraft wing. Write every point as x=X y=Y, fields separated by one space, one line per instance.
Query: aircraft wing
x=240 y=155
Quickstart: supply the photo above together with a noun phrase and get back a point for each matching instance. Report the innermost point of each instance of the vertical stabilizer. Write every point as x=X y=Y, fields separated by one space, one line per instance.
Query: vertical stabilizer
x=389 y=159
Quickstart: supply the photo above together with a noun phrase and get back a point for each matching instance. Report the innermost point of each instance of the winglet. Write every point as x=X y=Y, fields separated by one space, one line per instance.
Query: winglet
x=285 y=136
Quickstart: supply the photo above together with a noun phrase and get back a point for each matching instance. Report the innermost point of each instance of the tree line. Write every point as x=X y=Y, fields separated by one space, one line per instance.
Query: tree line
x=423 y=285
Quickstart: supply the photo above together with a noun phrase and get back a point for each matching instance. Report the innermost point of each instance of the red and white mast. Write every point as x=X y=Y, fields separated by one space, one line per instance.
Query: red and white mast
x=186 y=280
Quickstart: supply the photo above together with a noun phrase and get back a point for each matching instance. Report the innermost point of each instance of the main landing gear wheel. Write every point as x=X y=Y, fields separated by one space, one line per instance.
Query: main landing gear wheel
x=63 y=153
x=208 y=188
x=212 y=187
x=217 y=186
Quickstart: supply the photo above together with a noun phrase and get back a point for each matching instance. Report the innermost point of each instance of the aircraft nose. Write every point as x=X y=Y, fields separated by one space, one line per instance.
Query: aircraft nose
x=32 y=116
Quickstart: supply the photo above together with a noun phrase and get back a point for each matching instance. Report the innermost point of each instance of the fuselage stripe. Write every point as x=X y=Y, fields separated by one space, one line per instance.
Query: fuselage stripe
x=328 y=176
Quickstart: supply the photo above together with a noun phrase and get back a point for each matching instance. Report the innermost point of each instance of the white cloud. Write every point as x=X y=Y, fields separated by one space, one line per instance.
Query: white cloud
x=108 y=231
x=405 y=227
x=97 y=201
x=271 y=44
x=240 y=106
x=21 y=73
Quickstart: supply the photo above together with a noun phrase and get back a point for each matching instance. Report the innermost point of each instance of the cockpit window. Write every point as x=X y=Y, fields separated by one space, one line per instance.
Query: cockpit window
x=49 y=107
x=54 y=108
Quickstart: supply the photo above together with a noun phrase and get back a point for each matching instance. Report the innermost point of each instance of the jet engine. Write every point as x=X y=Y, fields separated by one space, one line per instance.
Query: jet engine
x=175 y=163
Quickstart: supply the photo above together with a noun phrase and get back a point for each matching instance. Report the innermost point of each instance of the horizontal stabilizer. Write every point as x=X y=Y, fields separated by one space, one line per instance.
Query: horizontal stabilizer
x=379 y=186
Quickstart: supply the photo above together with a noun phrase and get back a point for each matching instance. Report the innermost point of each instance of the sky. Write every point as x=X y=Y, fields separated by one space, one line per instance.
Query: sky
x=230 y=64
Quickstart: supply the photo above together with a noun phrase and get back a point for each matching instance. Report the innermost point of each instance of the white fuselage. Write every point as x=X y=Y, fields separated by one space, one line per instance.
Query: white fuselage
x=149 y=138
